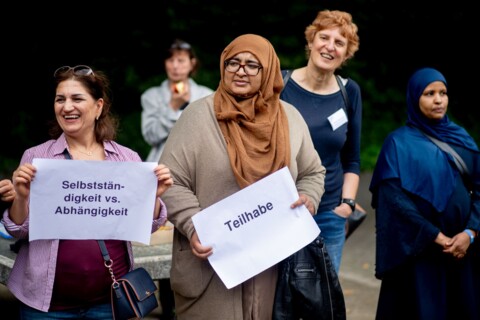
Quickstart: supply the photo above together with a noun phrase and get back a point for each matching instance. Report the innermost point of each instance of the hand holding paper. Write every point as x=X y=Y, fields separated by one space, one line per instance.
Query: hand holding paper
x=255 y=228
x=92 y=200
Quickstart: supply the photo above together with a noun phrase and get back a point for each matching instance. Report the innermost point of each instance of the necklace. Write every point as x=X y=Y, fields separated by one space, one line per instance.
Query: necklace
x=88 y=153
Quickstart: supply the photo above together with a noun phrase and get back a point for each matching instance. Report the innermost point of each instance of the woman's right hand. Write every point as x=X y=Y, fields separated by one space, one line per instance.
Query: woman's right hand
x=7 y=192
x=179 y=99
x=198 y=249
x=22 y=178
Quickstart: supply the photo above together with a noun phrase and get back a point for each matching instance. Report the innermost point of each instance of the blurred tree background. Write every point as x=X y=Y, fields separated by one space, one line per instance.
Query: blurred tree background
x=127 y=41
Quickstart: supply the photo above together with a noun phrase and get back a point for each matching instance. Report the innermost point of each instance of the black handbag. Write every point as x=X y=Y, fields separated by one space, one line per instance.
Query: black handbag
x=133 y=295
x=308 y=287
x=353 y=221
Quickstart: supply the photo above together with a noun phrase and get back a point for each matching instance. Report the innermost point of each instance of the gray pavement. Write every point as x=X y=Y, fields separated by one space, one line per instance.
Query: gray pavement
x=360 y=287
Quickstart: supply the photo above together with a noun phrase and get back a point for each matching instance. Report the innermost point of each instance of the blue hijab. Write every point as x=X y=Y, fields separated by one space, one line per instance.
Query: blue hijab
x=407 y=154
x=444 y=129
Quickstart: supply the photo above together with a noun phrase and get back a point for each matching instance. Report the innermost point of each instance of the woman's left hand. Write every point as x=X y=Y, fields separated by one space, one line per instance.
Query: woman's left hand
x=164 y=178
x=304 y=200
x=458 y=245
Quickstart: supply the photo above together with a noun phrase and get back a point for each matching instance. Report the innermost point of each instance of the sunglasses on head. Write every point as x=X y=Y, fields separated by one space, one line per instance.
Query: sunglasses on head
x=80 y=70
x=180 y=46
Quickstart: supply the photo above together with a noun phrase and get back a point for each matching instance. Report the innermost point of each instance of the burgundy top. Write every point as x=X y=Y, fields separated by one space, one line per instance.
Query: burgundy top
x=81 y=277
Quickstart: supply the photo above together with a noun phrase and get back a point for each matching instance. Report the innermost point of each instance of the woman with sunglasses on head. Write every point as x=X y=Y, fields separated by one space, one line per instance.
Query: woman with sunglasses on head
x=162 y=105
x=67 y=279
x=242 y=133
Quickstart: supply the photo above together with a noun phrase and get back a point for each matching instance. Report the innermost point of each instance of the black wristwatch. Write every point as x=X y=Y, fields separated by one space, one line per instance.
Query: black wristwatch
x=350 y=202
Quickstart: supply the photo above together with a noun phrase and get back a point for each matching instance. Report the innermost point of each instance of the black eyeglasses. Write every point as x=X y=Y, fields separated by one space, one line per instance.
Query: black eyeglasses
x=80 y=70
x=251 y=69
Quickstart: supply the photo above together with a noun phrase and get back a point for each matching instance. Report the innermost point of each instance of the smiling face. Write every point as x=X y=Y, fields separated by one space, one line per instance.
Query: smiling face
x=328 y=49
x=433 y=102
x=75 y=109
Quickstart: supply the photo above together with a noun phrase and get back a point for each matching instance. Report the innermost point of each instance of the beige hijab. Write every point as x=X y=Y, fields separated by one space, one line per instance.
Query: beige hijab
x=255 y=128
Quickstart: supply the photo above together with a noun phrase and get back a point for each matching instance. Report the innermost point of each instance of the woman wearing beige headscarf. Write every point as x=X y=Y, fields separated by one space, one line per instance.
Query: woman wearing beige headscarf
x=221 y=144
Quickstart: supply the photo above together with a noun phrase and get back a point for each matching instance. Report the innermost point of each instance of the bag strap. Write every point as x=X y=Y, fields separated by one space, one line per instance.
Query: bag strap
x=287 y=75
x=344 y=92
x=108 y=262
x=461 y=166
x=101 y=243
x=67 y=154
x=103 y=249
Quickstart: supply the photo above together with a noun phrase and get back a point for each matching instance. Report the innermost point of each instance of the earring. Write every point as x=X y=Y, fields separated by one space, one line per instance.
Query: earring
x=97 y=118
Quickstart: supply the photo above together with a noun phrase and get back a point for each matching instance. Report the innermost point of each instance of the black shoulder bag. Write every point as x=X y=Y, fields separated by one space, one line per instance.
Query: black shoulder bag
x=133 y=295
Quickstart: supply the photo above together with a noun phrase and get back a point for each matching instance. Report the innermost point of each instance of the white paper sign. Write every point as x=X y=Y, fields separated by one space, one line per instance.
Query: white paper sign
x=255 y=228
x=79 y=199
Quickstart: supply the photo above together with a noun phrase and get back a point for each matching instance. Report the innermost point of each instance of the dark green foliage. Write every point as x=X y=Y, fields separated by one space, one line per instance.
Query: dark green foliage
x=127 y=43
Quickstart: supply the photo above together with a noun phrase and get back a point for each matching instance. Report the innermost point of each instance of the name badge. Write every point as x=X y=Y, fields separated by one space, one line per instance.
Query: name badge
x=338 y=119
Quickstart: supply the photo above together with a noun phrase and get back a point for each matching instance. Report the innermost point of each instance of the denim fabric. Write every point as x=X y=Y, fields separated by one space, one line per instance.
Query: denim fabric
x=95 y=312
x=332 y=230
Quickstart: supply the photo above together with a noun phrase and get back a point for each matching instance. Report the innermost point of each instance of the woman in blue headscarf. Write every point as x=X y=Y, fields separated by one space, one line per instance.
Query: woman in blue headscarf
x=427 y=213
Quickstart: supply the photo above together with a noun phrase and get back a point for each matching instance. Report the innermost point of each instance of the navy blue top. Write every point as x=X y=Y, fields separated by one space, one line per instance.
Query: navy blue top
x=338 y=149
